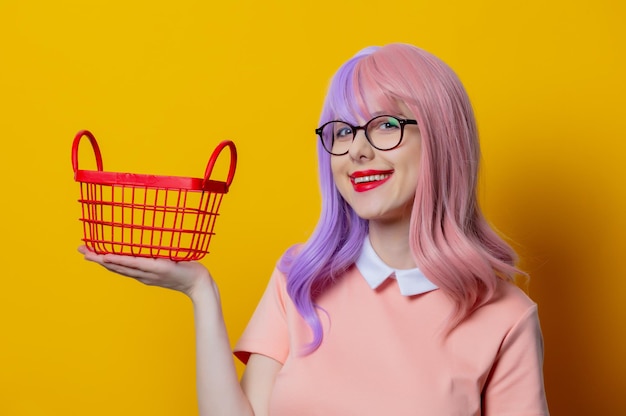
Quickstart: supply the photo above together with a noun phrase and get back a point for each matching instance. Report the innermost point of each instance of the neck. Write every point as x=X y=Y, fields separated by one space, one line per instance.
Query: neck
x=391 y=242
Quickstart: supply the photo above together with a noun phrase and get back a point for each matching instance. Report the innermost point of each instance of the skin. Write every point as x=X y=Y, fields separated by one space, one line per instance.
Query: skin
x=219 y=391
x=387 y=206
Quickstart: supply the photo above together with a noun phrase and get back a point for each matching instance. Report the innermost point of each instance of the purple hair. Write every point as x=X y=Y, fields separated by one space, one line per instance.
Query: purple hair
x=450 y=240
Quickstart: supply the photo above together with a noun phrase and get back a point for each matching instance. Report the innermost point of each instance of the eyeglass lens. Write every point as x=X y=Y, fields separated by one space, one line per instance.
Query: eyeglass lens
x=383 y=132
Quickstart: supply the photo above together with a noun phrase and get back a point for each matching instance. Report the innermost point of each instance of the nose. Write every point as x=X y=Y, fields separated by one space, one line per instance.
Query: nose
x=360 y=149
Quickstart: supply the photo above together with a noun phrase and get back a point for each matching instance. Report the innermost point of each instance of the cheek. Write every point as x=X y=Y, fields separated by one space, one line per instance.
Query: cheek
x=410 y=177
x=340 y=176
x=335 y=168
x=414 y=164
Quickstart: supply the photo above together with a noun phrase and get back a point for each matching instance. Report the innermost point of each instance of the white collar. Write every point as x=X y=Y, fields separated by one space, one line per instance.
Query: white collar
x=375 y=271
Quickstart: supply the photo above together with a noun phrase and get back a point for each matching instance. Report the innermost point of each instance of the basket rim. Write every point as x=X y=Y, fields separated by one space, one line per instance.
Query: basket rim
x=149 y=181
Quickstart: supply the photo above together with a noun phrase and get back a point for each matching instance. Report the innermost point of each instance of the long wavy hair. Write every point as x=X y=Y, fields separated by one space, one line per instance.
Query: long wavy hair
x=450 y=240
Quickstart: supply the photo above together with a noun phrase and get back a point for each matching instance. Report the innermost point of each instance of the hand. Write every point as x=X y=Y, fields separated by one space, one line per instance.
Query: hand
x=184 y=276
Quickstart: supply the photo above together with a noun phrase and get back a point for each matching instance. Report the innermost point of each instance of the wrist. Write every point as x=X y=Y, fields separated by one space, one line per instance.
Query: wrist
x=204 y=290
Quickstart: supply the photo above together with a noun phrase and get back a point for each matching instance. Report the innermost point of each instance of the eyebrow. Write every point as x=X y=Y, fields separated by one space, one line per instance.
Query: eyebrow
x=388 y=113
x=380 y=113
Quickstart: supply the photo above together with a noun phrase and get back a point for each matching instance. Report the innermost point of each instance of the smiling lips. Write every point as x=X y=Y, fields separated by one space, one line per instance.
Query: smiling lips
x=369 y=179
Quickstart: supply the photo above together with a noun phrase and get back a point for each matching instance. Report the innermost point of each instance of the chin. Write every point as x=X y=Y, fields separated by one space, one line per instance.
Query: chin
x=376 y=216
x=388 y=215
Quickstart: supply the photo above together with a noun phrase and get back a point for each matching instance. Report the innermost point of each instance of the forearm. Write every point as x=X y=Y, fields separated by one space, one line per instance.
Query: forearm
x=219 y=391
x=218 y=388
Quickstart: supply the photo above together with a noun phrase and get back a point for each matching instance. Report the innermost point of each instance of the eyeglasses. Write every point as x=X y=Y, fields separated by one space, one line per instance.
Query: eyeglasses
x=382 y=132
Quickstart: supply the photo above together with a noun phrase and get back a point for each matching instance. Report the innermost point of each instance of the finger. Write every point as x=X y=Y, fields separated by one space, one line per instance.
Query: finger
x=137 y=274
x=90 y=255
x=147 y=278
x=145 y=264
x=124 y=260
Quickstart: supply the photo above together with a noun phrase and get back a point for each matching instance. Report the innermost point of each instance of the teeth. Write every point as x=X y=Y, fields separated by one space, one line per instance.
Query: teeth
x=370 y=178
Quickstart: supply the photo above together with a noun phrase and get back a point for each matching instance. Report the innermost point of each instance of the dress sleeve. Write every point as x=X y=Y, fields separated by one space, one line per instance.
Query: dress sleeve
x=267 y=332
x=515 y=385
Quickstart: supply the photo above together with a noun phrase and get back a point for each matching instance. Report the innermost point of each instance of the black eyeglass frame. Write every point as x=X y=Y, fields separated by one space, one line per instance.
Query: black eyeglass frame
x=403 y=122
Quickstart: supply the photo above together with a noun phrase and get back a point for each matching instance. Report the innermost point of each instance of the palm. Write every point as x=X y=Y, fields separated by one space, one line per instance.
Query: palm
x=180 y=276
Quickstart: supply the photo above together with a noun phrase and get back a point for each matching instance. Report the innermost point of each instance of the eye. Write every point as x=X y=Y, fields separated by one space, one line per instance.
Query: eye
x=343 y=131
x=386 y=124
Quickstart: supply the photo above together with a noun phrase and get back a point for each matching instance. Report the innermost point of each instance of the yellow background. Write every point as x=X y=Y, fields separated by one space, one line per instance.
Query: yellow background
x=161 y=83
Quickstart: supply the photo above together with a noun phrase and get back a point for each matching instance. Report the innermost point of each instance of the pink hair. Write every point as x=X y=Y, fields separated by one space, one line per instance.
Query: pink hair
x=450 y=239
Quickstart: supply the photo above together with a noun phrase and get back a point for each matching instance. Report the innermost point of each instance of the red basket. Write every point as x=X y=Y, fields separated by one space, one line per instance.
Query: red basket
x=149 y=216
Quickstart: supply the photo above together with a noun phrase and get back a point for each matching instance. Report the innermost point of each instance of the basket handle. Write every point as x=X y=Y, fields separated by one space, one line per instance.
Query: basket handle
x=94 y=145
x=213 y=159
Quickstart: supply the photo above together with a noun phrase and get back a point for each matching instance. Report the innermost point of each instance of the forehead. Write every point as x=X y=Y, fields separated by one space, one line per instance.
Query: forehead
x=398 y=109
x=360 y=113
x=358 y=94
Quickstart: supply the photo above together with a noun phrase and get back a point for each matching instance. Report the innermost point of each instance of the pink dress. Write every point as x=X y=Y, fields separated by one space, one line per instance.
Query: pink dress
x=388 y=354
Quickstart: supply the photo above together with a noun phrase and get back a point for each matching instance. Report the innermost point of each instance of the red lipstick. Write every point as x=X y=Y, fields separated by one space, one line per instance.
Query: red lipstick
x=365 y=180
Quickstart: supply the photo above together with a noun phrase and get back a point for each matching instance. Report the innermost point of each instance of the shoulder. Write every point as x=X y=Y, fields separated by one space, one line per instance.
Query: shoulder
x=294 y=249
x=508 y=296
x=508 y=308
x=507 y=322
x=289 y=256
x=515 y=380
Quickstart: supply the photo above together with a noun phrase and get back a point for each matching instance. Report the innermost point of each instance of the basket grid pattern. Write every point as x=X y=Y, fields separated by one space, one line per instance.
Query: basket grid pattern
x=148 y=222
x=147 y=215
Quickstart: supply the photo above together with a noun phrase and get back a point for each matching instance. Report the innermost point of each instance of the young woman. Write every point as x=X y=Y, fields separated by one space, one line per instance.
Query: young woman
x=402 y=301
